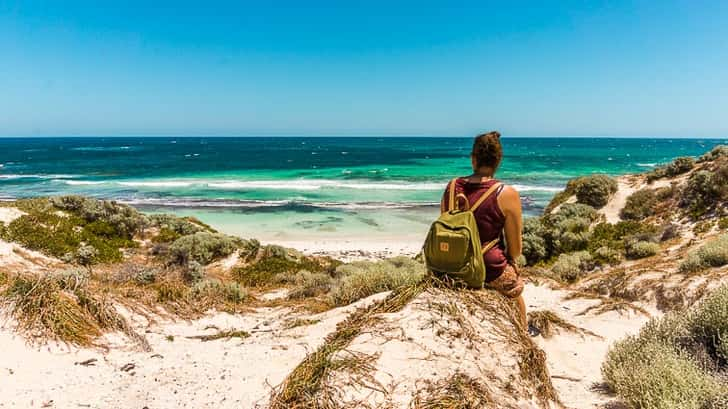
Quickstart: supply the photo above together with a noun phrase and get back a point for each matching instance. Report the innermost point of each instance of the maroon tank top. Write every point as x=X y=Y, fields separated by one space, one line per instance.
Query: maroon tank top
x=490 y=220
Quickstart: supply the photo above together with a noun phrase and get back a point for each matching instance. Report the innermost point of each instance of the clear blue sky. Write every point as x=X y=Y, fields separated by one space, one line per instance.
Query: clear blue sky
x=371 y=67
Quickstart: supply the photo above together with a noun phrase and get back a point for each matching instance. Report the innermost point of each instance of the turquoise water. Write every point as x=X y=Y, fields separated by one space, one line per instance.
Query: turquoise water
x=288 y=188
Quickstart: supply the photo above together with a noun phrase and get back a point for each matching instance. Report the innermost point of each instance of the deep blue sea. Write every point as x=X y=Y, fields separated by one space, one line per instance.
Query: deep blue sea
x=297 y=186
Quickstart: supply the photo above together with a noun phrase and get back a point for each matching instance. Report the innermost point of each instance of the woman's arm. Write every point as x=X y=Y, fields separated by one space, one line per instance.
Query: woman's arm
x=510 y=204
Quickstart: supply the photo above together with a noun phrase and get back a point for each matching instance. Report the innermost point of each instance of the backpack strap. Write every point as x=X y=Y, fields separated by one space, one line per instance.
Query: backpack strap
x=490 y=245
x=451 y=191
x=485 y=196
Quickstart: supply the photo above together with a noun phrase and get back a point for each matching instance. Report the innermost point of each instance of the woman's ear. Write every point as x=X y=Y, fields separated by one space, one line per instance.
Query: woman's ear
x=473 y=163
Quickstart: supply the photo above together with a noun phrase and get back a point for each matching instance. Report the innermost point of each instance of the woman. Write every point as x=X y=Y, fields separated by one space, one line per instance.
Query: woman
x=499 y=216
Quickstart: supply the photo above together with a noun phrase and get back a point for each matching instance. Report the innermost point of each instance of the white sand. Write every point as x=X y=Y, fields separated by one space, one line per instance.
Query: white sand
x=357 y=249
x=183 y=373
x=8 y=214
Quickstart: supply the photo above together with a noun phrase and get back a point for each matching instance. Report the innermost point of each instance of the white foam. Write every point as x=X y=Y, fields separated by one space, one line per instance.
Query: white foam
x=157 y=184
x=647 y=165
x=317 y=184
x=82 y=182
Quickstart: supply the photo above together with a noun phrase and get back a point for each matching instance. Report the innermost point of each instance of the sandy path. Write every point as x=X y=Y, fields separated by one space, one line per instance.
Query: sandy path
x=575 y=360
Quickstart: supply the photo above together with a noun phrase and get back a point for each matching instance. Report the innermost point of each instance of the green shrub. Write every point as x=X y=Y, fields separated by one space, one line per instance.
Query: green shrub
x=534 y=243
x=709 y=323
x=670 y=231
x=640 y=249
x=166 y=235
x=712 y=254
x=202 y=247
x=194 y=272
x=595 y=190
x=670 y=363
x=723 y=223
x=718 y=152
x=180 y=226
x=640 y=205
x=361 y=279
x=702 y=227
x=654 y=375
x=572 y=266
x=308 y=284
x=706 y=190
x=86 y=255
x=125 y=221
x=216 y=290
x=679 y=166
x=568 y=229
x=277 y=267
x=61 y=235
x=606 y=255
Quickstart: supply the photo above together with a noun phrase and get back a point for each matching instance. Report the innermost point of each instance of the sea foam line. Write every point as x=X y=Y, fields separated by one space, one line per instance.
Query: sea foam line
x=296 y=185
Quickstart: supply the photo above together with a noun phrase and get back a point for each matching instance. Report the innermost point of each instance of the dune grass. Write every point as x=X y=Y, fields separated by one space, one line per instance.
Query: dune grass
x=458 y=391
x=50 y=307
x=548 y=322
x=304 y=385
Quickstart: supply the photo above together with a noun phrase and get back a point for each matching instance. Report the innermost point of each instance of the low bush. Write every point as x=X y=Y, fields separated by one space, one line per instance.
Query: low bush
x=534 y=243
x=639 y=205
x=702 y=227
x=640 y=249
x=193 y=272
x=712 y=254
x=275 y=265
x=568 y=229
x=718 y=152
x=723 y=223
x=123 y=220
x=679 y=166
x=215 y=290
x=361 y=279
x=654 y=375
x=180 y=226
x=166 y=235
x=672 y=361
x=706 y=190
x=606 y=255
x=572 y=266
x=595 y=190
x=308 y=284
x=202 y=247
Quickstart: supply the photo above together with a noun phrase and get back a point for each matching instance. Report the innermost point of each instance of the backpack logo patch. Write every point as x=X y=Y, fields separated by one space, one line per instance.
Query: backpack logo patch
x=444 y=246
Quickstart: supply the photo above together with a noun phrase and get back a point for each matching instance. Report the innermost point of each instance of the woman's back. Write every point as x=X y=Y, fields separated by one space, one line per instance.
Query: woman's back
x=489 y=218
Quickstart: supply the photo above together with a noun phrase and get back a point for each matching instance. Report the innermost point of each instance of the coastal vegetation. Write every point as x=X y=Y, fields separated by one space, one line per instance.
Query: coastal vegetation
x=676 y=361
x=594 y=190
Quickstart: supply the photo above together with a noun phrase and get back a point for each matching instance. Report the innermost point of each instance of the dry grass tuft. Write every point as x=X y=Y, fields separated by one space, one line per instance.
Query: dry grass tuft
x=48 y=307
x=459 y=391
x=548 y=321
x=227 y=334
x=532 y=360
x=300 y=322
x=44 y=310
x=304 y=387
x=620 y=306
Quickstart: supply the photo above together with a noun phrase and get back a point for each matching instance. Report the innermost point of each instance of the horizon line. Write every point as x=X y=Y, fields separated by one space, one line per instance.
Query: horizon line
x=364 y=136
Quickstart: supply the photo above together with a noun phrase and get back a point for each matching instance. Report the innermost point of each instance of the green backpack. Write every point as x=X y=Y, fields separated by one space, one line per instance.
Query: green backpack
x=453 y=245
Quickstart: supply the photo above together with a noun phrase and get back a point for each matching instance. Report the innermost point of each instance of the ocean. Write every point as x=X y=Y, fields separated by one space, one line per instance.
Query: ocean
x=324 y=188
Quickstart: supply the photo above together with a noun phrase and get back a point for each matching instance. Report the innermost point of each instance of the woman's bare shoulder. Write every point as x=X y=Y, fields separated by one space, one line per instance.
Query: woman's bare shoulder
x=509 y=197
